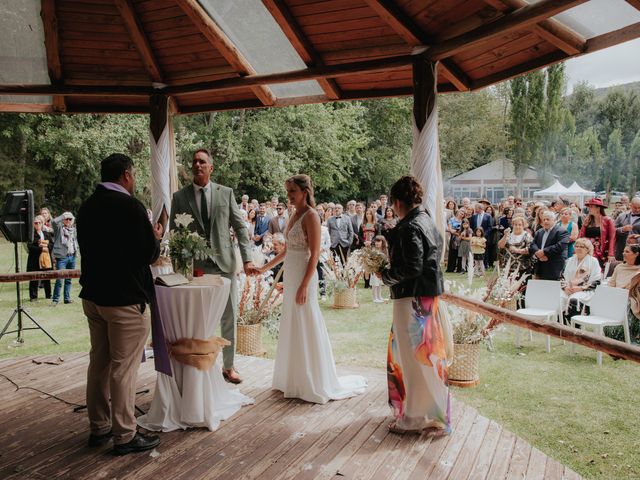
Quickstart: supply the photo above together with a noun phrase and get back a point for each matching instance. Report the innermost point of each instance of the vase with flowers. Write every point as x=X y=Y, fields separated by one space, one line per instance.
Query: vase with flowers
x=186 y=246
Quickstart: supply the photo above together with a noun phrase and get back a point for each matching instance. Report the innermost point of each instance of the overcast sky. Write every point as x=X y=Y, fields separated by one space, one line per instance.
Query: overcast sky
x=611 y=66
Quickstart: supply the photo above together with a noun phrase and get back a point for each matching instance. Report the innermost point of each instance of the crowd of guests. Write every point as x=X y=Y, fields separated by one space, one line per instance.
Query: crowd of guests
x=582 y=246
x=343 y=229
x=54 y=246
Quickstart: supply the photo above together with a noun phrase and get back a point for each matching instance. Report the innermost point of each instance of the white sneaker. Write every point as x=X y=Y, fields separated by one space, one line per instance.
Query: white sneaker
x=378 y=300
x=323 y=298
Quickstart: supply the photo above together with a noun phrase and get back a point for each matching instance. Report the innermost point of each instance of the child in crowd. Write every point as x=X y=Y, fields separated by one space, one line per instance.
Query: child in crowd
x=465 y=243
x=478 y=247
x=380 y=244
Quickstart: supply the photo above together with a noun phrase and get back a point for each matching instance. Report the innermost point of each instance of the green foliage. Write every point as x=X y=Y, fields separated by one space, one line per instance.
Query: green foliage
x=615 y=160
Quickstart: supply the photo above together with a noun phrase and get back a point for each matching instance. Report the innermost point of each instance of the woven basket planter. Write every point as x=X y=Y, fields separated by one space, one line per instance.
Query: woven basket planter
x=249 y=340
x=465 y=371
x=345 y=298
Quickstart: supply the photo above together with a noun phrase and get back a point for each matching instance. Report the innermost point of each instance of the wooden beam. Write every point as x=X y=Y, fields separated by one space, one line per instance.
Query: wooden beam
x=410 y=32
x=139 y=38
x=613 y=38
x=551 y=30
x=52 y=47
x=292 y=30
x=26 y=107
x=223 y=44
x=581 y=337
x=518 y=20
x=634 y=3
x=424 y=89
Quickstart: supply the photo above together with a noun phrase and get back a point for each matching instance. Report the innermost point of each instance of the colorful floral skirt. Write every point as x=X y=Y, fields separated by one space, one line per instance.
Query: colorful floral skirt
x=417 y=366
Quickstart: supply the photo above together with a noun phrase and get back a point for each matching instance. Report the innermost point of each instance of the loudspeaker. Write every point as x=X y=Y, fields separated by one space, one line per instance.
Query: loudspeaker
x=16 y=221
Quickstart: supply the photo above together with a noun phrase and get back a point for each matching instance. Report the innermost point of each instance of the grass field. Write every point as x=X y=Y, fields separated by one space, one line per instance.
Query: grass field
x=583 y=415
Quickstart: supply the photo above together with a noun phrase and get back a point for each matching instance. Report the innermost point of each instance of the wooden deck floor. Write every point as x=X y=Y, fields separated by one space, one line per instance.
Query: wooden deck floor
x=273 y=439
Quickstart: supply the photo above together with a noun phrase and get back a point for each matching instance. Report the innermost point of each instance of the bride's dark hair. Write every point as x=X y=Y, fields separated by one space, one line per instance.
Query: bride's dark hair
x=304 y=183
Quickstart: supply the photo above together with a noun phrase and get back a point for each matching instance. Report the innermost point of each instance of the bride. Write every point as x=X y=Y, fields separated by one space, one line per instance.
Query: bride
x=304 y=366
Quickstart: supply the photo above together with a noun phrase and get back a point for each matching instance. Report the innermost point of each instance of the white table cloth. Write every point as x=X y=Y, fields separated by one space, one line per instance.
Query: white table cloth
x=192 y=397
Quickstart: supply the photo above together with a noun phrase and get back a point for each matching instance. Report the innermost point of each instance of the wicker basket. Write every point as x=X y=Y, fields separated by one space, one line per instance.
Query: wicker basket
x=345 y=298
x=249 y=340
x=465 y=369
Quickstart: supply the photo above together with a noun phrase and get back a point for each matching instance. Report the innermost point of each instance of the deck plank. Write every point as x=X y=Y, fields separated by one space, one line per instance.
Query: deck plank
x=275 y=438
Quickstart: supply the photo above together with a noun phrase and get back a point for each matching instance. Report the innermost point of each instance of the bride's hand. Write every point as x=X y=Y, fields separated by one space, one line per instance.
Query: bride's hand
x=301 y=295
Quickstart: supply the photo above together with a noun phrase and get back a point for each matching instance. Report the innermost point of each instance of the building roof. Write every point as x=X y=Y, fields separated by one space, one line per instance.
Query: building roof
x=112 y=55
x=497 y=170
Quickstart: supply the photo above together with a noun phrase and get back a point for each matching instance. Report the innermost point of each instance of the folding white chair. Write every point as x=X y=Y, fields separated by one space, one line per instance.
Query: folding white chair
x=543 y=302
x=608 y=308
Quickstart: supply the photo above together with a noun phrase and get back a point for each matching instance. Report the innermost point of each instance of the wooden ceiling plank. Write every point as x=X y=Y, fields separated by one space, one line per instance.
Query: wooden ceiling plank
x=411 y=33
x=549 y=59
x=52 y=47
x=220 y=41
x=299 y=41
x=551 y=30
x=634 y=3
x=610 y=39
x=140 y=40
x=520 y=19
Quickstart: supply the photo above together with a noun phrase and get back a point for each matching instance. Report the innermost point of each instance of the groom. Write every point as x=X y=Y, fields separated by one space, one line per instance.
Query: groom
x=215 y=209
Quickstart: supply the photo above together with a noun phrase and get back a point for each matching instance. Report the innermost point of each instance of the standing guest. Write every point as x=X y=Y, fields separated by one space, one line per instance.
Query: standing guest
x=505 y=220
x=269 y=210
x=356 y=222
x=566 y=222
x=556 y=207
x=46 y=215
x=341 y=233
x=450 y=209
x=388 y=223
x=600 y=230
x=538 y=211
x=453 y=229
x=251 y=223
x=215 y=212
x=291 y=210
x=262 y=224
x=466 y=202
x=419 y=343
x=478 y=249
x=383 y=205
x=244 y=203
x=320 y=211
x=40 y=259
x=491 y=252
x=328 y=213
x=514 y=247
x=274 y=206
x=65 y=249
x=116 y=287
x=626 y=223
x=465 y=234
x=623 y=273
x=255 y=204
x=549 y=246
x=325 y=250
x=482 y=219
x=369 y=228
x=279 y=243
x=380 y=244
x=351 y=208
x=278 y=224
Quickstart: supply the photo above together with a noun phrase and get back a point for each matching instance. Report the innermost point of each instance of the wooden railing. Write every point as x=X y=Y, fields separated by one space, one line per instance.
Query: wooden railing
x=581 y=337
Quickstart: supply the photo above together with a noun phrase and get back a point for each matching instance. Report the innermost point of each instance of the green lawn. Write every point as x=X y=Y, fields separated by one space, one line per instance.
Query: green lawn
x=583 y=415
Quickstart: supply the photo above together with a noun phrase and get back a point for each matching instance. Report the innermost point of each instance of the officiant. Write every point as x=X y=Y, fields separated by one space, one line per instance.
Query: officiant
x=215 y=209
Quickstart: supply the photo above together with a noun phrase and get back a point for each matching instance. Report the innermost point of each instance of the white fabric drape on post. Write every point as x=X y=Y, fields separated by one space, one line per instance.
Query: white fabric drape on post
x=160 y=173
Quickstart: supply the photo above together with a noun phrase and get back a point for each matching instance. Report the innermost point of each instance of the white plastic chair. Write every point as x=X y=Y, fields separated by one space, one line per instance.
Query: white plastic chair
x=608 y=308
x=543 y=302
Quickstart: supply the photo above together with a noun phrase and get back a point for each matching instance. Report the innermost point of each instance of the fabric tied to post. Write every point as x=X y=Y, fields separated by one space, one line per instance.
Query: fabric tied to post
x=197 y=353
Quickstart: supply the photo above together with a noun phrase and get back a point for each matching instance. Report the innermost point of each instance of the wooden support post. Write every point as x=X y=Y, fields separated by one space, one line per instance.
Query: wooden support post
x=424 y=82
x=52 y=47
x=161 y=118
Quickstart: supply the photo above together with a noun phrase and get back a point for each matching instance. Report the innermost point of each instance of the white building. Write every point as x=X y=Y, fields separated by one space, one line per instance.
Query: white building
x=494 y=181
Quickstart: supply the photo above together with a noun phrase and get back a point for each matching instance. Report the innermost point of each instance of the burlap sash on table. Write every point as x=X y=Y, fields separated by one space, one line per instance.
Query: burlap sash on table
x=201 y=354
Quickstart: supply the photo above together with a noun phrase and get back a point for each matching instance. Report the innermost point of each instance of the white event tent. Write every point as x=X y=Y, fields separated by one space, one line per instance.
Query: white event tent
x=554 y=190
x=576 y=190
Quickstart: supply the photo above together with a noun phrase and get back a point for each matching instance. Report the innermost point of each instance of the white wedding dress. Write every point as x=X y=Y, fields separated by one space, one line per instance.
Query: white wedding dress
x=304 y=366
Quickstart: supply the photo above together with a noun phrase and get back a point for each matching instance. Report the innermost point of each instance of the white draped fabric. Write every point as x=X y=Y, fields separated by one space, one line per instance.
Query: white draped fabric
x=425 y=166
x=192 y=397
x=160 y=173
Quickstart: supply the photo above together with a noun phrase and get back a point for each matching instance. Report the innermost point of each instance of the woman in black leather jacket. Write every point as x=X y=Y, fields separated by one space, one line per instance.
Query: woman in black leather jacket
x=416 y=357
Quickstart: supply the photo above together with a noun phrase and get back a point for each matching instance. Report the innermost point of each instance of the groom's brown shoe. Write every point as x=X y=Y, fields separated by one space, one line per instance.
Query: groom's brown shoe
x=231 y=376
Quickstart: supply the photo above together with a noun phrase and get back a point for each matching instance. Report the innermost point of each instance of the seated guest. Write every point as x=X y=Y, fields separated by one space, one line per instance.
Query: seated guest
x=514 y=246
x=581 y=276
x=624 y=272
x=40 y=259
x=278 y=241
x=549 y=246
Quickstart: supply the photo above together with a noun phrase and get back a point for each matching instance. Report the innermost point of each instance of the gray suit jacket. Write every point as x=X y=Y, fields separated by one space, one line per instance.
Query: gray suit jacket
x=621 y=237
x=224 y=214
x=342 y=235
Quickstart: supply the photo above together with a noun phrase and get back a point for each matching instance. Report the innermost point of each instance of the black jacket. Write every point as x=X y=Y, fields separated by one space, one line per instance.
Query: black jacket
x=555 y=248
x=33 y=260
x=117 y=245
x=415 y=248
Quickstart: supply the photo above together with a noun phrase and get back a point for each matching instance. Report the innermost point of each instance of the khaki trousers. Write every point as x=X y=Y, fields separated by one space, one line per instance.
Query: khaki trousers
x=118 y=335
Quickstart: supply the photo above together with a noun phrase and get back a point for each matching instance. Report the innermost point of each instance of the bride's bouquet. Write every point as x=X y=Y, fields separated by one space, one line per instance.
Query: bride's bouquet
x=371 y=260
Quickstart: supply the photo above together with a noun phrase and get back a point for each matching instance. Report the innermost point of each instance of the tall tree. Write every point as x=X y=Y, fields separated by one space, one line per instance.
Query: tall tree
x=615 y=161
x=554 y=121
x=634 y=164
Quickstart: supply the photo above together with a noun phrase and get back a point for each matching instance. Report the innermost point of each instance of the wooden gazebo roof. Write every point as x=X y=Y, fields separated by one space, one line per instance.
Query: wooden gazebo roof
x=112 y=55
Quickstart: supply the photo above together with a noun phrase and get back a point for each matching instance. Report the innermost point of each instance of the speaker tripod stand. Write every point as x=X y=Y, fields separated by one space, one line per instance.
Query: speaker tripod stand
x=20 y=310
